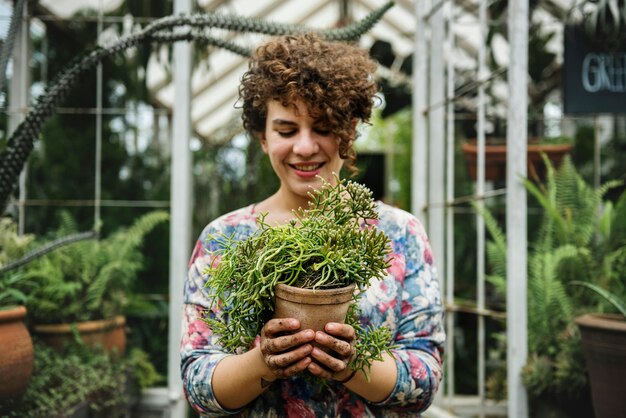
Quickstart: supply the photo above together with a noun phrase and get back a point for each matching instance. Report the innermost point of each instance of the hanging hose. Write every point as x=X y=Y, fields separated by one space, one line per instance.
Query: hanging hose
x=47 y=248
x=7 y=48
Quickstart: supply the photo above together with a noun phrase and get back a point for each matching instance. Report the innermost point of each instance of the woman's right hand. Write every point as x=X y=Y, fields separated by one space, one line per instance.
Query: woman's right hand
x=285 y=351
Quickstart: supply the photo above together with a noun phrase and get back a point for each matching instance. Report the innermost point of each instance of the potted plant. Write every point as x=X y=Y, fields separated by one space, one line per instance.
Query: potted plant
x=603 y=333
x=16 y=355
x=330 y=248
x=495 y=156
x=570 y=239
x=84 y=287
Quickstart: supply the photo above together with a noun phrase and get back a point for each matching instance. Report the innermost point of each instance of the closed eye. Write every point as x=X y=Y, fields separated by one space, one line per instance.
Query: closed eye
x=322 y=132
x=286 y=134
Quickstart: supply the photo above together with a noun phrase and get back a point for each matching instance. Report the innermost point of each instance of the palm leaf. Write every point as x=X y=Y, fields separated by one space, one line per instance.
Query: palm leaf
x=609 y=297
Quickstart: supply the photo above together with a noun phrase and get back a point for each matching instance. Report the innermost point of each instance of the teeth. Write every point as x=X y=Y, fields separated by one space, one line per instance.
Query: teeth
x=309 y=167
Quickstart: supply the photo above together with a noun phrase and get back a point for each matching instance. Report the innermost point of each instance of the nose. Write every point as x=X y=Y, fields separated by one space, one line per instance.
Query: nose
x=306 y=144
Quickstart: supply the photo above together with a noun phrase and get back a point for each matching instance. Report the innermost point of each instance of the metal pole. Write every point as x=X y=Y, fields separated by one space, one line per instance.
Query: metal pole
x=419 y=160
x=449 y=257
x=181 y=199
x=19 y=95
x=98 y=156
x=480 y=191
x=516 y=222
x=437 y=141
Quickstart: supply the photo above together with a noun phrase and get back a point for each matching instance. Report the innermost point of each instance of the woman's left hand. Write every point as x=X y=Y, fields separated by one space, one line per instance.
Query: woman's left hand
x=339 y=339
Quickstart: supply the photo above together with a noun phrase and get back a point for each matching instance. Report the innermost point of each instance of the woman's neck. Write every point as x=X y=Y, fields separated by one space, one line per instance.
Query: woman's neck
x=279 y=208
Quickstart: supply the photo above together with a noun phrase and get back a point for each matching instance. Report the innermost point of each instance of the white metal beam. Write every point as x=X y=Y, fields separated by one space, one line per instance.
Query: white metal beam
x=516 y=222
x=419 y=156
x=180 y=222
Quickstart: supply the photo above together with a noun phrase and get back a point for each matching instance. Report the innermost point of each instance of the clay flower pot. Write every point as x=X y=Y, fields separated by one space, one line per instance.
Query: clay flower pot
x=495 y=158
x=604 y=346
x=110 y=334
x=314 y=308
x=16 y=354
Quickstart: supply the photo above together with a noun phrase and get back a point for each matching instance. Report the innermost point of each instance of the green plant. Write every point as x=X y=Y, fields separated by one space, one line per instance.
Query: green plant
x=604 y=20
x=327 y=245
x=12 y=246
x=89 y=279
x=63 y=381
x=579 y=232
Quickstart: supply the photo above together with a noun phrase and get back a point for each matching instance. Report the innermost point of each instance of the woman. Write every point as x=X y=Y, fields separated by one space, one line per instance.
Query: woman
x=303 y=97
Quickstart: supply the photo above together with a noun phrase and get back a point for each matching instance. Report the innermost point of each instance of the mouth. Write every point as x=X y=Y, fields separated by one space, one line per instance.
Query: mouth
x=308 y=167
x=307 y=170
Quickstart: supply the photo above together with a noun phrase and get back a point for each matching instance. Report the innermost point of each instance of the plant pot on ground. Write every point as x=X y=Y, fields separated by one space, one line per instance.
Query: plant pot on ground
x=88 y=281
x=329 y=245
x=16 y=346
x=496 y=155
x=604 y=344
x=16 y=355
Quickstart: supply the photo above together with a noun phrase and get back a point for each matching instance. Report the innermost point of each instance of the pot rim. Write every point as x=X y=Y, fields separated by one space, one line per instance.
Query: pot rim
x=84 y=326
x=314 y=296
x=12 y=313
x=613 y=322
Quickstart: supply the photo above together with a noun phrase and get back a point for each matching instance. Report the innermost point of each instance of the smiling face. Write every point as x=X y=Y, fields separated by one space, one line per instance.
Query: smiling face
x=300 y=148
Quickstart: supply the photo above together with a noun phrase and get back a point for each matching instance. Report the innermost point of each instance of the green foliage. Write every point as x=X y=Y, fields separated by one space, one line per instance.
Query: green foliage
x=328 y=245
x=620 y=305
x=89 y=279
x=144 y=371
x=604 y=21
x=579 y=234
x=62 y=381
x=13 y=287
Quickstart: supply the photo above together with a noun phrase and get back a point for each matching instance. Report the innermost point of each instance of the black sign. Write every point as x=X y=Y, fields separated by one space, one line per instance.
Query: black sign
x=594 y=77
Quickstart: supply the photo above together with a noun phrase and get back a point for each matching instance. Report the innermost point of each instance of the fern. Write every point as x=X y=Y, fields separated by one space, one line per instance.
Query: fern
x=88 y=279
x=579 y=234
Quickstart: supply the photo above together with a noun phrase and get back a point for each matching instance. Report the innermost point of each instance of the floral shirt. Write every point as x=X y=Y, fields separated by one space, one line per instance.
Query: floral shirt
x=407 y=301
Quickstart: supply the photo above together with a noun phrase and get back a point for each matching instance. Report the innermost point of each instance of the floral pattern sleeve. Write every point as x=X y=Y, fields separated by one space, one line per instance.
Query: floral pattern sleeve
x=200 y=352
x=407 y=301
x=417 y=317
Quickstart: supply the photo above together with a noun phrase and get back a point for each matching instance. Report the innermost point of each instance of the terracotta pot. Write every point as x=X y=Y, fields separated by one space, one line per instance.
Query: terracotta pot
x=110 y=334
x=604 y=346
x=495 y=158
x=314 y=308
x=16 y=354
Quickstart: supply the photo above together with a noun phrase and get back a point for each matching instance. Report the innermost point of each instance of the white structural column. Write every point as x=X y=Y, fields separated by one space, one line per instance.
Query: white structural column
x=181 y=199
x=480 y=192
x=19 y=97
x=437 y=140
x=449 y=256
x=516 y=223
x=419 y=160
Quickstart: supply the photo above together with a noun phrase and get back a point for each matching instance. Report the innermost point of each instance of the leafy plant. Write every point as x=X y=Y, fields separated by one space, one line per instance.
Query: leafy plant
x=331 y=244
x=89 y=279
x=579 y=232
x=604 y=20
x=63 y=381
x=12 y=246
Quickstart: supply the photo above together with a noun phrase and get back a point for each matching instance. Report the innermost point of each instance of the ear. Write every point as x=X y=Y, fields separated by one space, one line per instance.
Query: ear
x=263 y=141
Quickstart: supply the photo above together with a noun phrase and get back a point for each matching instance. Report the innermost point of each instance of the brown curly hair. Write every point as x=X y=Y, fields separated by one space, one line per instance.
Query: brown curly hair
x=336 y=80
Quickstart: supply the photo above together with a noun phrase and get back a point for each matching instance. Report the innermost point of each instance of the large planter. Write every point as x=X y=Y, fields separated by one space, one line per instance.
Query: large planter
x=109 y=334
x=314 y=308
x=495 y=158
x=16 y=353
x=604 y=347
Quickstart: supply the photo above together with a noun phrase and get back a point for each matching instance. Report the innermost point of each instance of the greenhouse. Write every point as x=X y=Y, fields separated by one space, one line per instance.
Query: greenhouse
x=499 y=126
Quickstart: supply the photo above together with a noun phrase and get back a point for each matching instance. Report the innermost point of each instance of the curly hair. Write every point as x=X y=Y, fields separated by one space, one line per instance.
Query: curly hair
x=336 y=81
